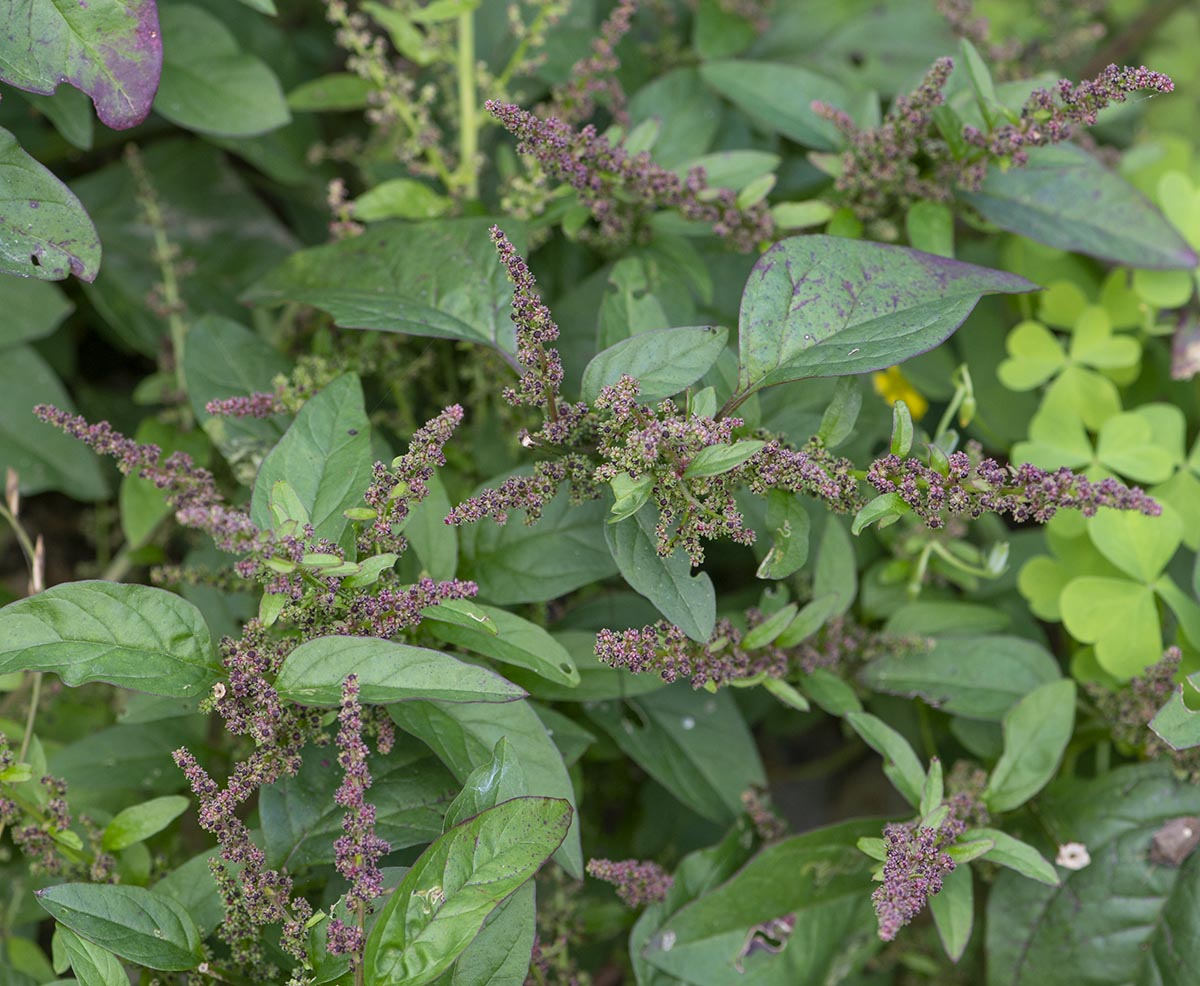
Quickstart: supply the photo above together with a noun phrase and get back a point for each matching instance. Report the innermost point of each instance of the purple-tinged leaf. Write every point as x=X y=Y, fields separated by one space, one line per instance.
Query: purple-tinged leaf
x=110 y=49
x=45 y=232
x=823 y=306
x=1067 y=199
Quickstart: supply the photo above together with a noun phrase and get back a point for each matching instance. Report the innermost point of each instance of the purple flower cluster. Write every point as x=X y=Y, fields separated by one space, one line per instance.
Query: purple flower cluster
x=843 y=644
x=637 y=883
x=359 y=849
x=907 y=158
x=768 y=824
x=387 y=611
x=527 y=493
x=917 y=860
x=595 y=76
x=667 y=651
x=256 y=405
x=974 y=486
x=605 y=176
x=189 y=489
x=394 y=490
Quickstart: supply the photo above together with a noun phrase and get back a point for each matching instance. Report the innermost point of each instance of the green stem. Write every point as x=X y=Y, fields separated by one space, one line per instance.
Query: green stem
x=468 y=109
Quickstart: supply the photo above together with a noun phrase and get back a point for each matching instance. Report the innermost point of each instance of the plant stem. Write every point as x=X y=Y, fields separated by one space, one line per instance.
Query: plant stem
x=468 y=109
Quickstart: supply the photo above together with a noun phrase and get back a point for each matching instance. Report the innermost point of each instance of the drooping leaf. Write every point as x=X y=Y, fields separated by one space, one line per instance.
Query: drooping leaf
x=695 y=744
x=443 y=900
x=464 y=737
x=92 y=965
x=663 y=361
x=209 y=85
x=132 y=922
x=387 y=671
x=438 y=278
x=820 y=306
x=43 y=457
x=514 y=641
x=900 y=763
x=325 y=456
x=953 y=909
x=979 y=677
x=1066 y=198
x=500 y=779
x=686 y=600
x=135 y=636
x=500 y=954
x=110 y=49
x=45 y=232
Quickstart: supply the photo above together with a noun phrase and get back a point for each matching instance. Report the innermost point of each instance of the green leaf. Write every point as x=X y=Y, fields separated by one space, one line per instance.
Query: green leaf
x=789 y=525
x=596 y=680
x=930 y=227
x=1119 y=617
x=134 y=923
x=1140 y=546
x=461 y=613
x=732 y=169
x=138 y=822
x=1175 y=724
x=713 y=460
x=438 y=278
x=92 y=965
x=1015 y=854
x=953 y=909
x=695 y=744
x=1034 y=356
x=900 y=763
x=313 y=673
x=836 y=571
x=209 y=84
x=686 y=600
x=134 y=636
x=809 y=620
x=1036 y=732
x=837 y=423
x=1121 y=919
x=43 y=456
x=979 y=677
x=301 y=819
x=663 y=361
x=779 y=98
x=500 y=779
x=34 y=309
x=45 y=233
x=885 y=508
x=400 y=198
x=520 y=563
x=1127 y=445
x=465 y=736
x=770 y=628
x=1064 y=197
x=325 y=456
x=500 y=954
x=434 y=541
x=142 y=505
x=826 y=891
x=629 y=495
x=109 y=49
x=902 y=429
x=821 y=306
x=514 y=641
x=332 y=92
x=443 y=900
x=945 y=618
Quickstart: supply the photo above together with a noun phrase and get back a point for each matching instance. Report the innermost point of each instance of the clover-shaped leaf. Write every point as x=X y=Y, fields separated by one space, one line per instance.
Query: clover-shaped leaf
x=1061 y=304
x=1119 y=616
x=1093 y=343
x=1139 y=545
x=1127 y=444
x=1034 y=356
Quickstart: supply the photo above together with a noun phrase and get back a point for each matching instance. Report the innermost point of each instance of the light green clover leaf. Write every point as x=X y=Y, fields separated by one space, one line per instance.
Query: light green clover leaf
x=1181 y=491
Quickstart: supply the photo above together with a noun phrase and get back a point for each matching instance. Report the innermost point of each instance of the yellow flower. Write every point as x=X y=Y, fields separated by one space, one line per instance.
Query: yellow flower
x=892 y=386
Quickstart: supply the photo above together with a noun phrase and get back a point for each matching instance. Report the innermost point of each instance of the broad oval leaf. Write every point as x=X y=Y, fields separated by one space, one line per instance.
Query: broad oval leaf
x=514 y=640
x=824 y=306
x=663 y=361
x=439 y=278
x=313 y=673
x=132 y=922
x=92 y=965
x=325 y=456
x=134 y=636
x=686 y=600
x=979 y=677
x=138 y=822
x=209 y=84
x=1122 y=918
x=443 y=900
x=1066 y=198
x=45 y=232
x=110 y=49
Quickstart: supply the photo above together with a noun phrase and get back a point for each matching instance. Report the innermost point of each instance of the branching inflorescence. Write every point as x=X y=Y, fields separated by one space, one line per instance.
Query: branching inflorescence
x=915 y=155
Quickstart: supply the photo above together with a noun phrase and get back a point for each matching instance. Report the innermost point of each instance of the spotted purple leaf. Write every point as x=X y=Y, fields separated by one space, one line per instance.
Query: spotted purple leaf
x=823 y=306
x=110 y=49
